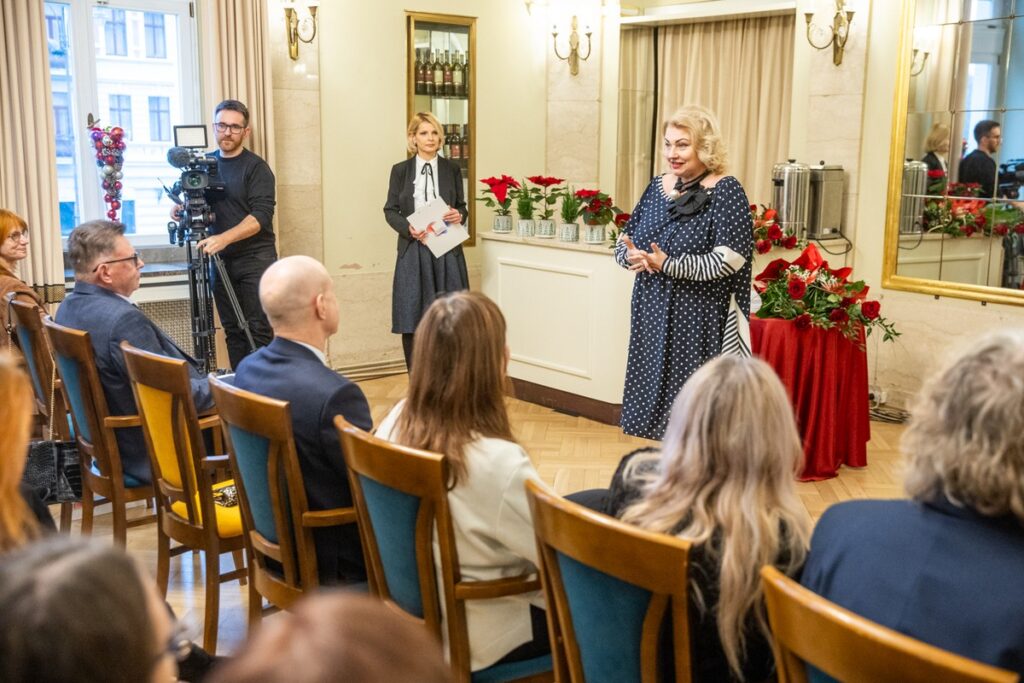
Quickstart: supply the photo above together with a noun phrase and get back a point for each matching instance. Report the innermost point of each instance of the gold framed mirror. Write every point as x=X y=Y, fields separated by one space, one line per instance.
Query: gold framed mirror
x=955 y=206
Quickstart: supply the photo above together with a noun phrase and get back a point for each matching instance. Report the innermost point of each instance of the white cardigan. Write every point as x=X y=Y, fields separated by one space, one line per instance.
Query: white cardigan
x=494 y=538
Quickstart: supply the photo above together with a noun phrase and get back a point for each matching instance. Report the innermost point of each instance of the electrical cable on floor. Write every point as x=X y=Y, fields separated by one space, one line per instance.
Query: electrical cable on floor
x=882 y=413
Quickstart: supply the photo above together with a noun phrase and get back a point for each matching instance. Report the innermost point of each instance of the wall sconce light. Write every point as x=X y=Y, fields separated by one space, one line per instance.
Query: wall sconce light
x=299 y=27
x=574 y=56
x=840 y=31
x=917 y=67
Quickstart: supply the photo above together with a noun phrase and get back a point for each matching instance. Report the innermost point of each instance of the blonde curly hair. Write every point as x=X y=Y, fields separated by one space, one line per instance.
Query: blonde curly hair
x=702 y=125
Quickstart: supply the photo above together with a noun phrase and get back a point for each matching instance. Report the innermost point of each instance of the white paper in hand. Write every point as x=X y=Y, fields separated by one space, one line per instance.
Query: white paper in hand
x=441 y=237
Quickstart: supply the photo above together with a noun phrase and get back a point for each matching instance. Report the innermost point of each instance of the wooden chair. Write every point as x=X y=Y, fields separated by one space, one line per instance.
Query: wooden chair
x=607 y=610
x=184 y=477
x=94 y=427
x=400 y=496
x=817 y=640
x=275 y=513
x=49 y=397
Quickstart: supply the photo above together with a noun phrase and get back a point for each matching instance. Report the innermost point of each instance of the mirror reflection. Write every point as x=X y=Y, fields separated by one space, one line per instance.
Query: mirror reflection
x=962 y=209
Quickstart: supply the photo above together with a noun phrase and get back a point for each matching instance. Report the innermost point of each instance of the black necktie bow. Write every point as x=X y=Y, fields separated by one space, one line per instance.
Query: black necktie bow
x=428 y=172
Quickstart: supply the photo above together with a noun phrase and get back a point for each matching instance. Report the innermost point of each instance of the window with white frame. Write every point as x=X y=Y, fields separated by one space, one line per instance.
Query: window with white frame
x=110 y=58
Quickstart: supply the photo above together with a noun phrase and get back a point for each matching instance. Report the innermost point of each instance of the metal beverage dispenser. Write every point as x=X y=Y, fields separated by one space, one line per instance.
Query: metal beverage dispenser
x=826 y=202
x=915 y=186
x=791 y=184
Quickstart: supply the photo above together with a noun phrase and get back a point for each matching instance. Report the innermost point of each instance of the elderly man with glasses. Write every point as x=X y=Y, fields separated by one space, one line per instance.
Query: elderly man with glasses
x=107 y=273
x=243 y=231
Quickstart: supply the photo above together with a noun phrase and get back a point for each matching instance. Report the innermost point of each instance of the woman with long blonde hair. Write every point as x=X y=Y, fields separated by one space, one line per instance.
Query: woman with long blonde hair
x=19 y=521
x=725 y=482
x=456 y=407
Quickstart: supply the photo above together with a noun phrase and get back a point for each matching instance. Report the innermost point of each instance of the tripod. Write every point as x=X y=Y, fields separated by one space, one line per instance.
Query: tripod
x=200 y=294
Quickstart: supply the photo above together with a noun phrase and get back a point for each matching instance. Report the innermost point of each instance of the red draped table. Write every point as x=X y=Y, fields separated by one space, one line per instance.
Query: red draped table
x=826 y=376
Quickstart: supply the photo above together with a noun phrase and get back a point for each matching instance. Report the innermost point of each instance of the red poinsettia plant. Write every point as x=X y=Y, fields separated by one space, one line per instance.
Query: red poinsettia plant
x=809 y=292
x=548 y=196
x=619 y=222
x=597 y=207
x=768 y=233
x=498 y=189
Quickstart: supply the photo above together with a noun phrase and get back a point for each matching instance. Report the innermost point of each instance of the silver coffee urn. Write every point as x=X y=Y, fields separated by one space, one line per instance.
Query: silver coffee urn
x=791 y=184
x=825 y=217
x=915 y=186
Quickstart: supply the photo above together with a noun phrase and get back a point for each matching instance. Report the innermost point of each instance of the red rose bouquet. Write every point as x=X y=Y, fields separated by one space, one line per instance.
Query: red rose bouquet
x=498 y=189
x=768 y=233
x=547 y=196
x=960 y=212
x=809 y=292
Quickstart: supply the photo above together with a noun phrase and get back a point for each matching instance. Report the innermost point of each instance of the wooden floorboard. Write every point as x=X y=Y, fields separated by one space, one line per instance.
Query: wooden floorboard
x=570 y=453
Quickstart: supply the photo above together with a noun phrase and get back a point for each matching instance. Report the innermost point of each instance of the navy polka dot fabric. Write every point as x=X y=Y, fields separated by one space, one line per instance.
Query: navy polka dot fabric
x=677 y=325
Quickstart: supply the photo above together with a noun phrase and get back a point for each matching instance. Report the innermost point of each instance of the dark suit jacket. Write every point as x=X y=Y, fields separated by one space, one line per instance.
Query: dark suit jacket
x=109 y=320
x=290 y=372
x=933 y=161
x=419 y=277
x=942 y=574
x=979 y=167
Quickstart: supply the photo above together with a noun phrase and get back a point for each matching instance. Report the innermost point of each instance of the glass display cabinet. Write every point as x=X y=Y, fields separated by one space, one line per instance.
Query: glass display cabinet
x=441 y=79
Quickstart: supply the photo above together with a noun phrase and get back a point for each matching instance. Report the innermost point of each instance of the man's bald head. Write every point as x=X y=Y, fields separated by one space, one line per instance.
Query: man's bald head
x=289 y=291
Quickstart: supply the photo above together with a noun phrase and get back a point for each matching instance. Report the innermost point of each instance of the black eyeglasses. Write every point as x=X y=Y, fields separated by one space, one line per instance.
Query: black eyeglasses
x=225 y=127
x=134 y=258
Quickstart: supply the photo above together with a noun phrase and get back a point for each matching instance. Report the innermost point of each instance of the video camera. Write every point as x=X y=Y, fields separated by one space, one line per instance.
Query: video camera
x=198 y=178
x=1011 y=177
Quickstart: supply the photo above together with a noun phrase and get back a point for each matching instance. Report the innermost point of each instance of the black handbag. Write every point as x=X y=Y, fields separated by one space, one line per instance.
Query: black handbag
x=54 y=472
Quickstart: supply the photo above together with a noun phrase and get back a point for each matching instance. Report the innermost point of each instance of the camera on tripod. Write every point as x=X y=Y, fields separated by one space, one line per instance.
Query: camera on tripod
x=1011 y=177
x=198 y=178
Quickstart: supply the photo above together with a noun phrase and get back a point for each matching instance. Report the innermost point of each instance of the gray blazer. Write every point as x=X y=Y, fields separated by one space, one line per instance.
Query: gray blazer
x=419 y=277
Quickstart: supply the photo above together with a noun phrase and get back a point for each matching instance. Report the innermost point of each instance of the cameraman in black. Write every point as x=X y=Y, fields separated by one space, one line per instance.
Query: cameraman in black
x=243 y=232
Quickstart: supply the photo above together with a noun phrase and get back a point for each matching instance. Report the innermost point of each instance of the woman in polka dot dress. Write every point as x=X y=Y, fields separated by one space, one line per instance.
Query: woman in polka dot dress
x=690 y=243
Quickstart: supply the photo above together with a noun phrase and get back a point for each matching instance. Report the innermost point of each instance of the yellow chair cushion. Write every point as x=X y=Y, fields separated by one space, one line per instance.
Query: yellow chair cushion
x=229 y=519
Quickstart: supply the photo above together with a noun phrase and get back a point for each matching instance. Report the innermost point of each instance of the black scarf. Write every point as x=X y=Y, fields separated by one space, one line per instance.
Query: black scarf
x=693 y=197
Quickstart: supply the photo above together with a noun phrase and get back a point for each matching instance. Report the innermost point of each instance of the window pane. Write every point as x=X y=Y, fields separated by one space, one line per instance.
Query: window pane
x=62 y=84
x=159 y=118
x=121 y=114
x=115 y=39
x=156 y=44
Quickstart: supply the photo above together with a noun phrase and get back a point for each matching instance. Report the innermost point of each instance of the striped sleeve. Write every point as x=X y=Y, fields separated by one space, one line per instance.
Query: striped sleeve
x=718 y=263
x=620 y=253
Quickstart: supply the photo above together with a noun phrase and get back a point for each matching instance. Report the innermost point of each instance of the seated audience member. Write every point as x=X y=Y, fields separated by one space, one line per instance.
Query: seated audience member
x=81 y=611
x=297 y=295
x=724 y=481
x=336 y=636
x=456 y=407
x=106 y=273
x=947 y=566
x=22 y=514
x=13 y=248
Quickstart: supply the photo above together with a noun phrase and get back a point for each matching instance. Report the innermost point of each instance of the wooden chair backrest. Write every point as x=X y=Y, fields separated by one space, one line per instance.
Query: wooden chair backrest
x=35 y=347
x=170 y=424
x=813 y=636
x=271 y=492
x=76 y=366
x=606 y=608
x=400 y=495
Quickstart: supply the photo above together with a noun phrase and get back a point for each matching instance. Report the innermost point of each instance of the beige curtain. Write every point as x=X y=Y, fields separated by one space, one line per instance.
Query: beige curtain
x=28 y=168
x=636 y=115
x=236 y=59
x=742 y=69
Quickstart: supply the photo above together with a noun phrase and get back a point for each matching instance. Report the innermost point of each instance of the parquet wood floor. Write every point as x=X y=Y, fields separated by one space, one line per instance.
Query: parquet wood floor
x=570 y=453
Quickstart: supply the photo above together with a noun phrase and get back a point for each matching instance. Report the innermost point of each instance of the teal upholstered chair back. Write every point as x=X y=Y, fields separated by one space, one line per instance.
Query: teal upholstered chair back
x=818 y=641
x=610 y=615
x=271 y=493
x=39 y=358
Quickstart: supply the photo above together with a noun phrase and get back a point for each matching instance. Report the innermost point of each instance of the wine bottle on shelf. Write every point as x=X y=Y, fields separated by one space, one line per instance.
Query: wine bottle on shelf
x=438 y=75
x=449 y=88
x=459 y=77
x=465 y=73
x=464 y=145
x=456 y=145
x=446 y=144
x=421 y=84
x=428 y=73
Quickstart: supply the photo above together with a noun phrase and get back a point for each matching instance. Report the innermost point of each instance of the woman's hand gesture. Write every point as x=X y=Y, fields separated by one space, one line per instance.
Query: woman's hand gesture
x=637 y=258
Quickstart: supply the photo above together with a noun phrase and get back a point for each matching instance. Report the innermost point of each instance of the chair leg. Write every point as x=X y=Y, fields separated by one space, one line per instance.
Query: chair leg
x=120 y=515
x=236 y=555
x=212 y=600
x=255 y=606
x=88 y=502
x=66 y=510
x=163 y=559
